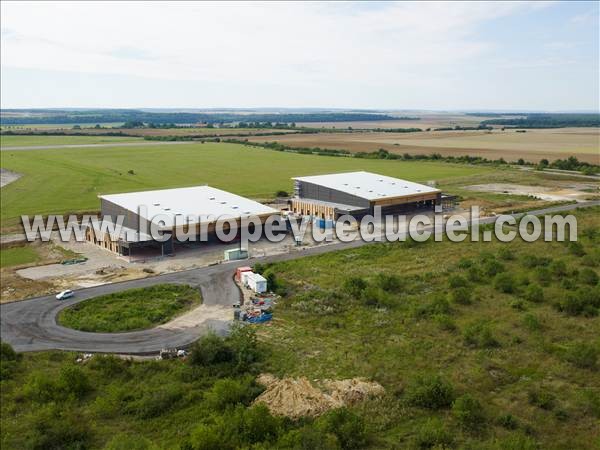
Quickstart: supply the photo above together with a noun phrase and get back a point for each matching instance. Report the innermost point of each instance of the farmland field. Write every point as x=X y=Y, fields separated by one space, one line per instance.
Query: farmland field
x=30 y=140
x=533 y=145
x=69 y=180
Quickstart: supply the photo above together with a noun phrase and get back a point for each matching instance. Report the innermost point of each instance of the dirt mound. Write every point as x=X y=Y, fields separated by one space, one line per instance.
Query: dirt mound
x=297 y=397
x=352 y=391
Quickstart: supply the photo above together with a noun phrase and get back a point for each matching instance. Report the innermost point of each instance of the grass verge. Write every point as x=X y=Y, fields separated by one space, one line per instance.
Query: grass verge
x=134 y=309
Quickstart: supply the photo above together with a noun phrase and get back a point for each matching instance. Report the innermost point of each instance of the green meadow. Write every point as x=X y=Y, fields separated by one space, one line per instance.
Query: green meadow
x=32 y=140
x=69 y=180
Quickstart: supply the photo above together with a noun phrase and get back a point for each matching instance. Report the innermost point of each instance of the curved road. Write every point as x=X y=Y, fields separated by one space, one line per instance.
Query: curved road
x=30 y=325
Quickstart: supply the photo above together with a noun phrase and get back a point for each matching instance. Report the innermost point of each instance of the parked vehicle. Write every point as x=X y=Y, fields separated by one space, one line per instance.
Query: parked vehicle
x=65 y=295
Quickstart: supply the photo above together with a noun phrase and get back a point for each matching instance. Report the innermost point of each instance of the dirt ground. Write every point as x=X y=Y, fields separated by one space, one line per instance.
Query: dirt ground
x=298 y=397
x=8 y=176
x=534 y=145
x=578 y=192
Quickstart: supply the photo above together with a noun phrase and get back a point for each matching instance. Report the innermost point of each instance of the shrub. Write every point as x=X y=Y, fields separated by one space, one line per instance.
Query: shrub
x=491 y=267
x=210 y=349
x=576 y=248
x=437 y=305
x=590 y=261
x=432 y=392
x=73 y=381
x=468 y=412
x=390 y=283
x=433 y=434
x=505 y=282
x=457 y=281
x=445 y=322
x=376 y=297
x=209 y=437
x=348 y=427
x=465 y=263
x=534 y=293
x=506 y=254
x=282 y=194
x=56 y=429
x=542 y=399
x=480 y=335
x=354 y=286
x=531 y=261
x=41 y=387
x=155 y=402
x=7 y=353
x=558 y=268
x=582 y=302
x=308 y=438
x=516 y=442
x=226 y=392
x=543 y=275
x=532 y=322
x=474 y=274
x=508 y=421
x=588 y=276
x=461 y=296
x=129 y=442
x=582 y=355
x=109 y=366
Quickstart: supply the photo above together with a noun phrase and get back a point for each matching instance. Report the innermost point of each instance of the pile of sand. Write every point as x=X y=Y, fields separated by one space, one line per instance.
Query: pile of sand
x=297 y=397
x=352 y=391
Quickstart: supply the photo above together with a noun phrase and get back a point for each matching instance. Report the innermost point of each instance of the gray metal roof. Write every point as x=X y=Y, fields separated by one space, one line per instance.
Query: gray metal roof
x=367 y=185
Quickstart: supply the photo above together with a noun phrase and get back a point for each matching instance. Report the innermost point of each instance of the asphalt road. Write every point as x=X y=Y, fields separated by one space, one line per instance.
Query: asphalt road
x=30 y=325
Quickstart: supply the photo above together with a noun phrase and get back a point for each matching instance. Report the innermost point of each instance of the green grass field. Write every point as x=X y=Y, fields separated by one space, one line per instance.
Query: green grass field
x=27 y=141
x=17 y=256
x=134 y=309
x=69 y=180
x=514 y=326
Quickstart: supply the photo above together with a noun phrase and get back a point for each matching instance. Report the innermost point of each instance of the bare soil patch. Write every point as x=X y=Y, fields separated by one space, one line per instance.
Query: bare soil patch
x=298 y=397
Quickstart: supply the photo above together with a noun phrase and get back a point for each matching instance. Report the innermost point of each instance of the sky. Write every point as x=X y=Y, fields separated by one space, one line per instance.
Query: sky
x=380 y=55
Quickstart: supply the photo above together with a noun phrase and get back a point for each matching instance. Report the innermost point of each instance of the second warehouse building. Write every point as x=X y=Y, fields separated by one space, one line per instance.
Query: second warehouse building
x=327 y=197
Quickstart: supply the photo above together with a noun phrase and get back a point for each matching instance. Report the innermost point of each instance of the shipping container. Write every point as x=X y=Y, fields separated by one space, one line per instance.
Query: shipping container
x=236 y=253
x=238 y=272
x=256 y=282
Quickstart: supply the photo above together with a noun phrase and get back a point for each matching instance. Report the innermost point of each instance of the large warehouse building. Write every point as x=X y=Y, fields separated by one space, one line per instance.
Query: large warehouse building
x=357 y=193
x=168 y=209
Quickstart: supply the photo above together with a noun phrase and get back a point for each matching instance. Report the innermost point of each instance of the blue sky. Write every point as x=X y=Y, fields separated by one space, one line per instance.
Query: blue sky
x=428 y=55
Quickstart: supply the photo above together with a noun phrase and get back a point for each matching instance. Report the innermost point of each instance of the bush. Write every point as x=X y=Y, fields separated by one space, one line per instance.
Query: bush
x=432 y=392
x=588 y=276
x=7 y=353
x=504 y=282
x=56 y=429
x=506 y=254
x=445 y=322
x=474 y=274
x=348 y=427
x=532 y=322
x=542 y=399
x=491 y=267
x=308 y=438
x=534 y=293
x=109 y=366
x=73 y=381
x=461 y=296
x=558 y=268
x=508 y=421
x=354 y=286
x=155 y=402
x=390 y=283
x=8 y=361
x=282 y=194
x=582 y=302
x=468 y=412
x=582 y=355
x=480 y=335
x=209 y=437
x=41 y=387
x=376 y=297
x=130 y=442
x=576 y=248
x=433 y=434
x=465 y=263
x=437 y=305
x=457 y=281
x=543 y=275
x=531 y=261
x=210 y=349
x=227 y=392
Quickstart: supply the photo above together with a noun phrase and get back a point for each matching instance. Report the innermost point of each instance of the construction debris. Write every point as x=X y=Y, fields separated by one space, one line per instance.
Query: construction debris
x=297 y=397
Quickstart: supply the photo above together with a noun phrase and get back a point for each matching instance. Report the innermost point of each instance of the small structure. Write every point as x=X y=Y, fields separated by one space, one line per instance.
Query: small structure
x=240 y=270
x=236 y=253
x=256 y=282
